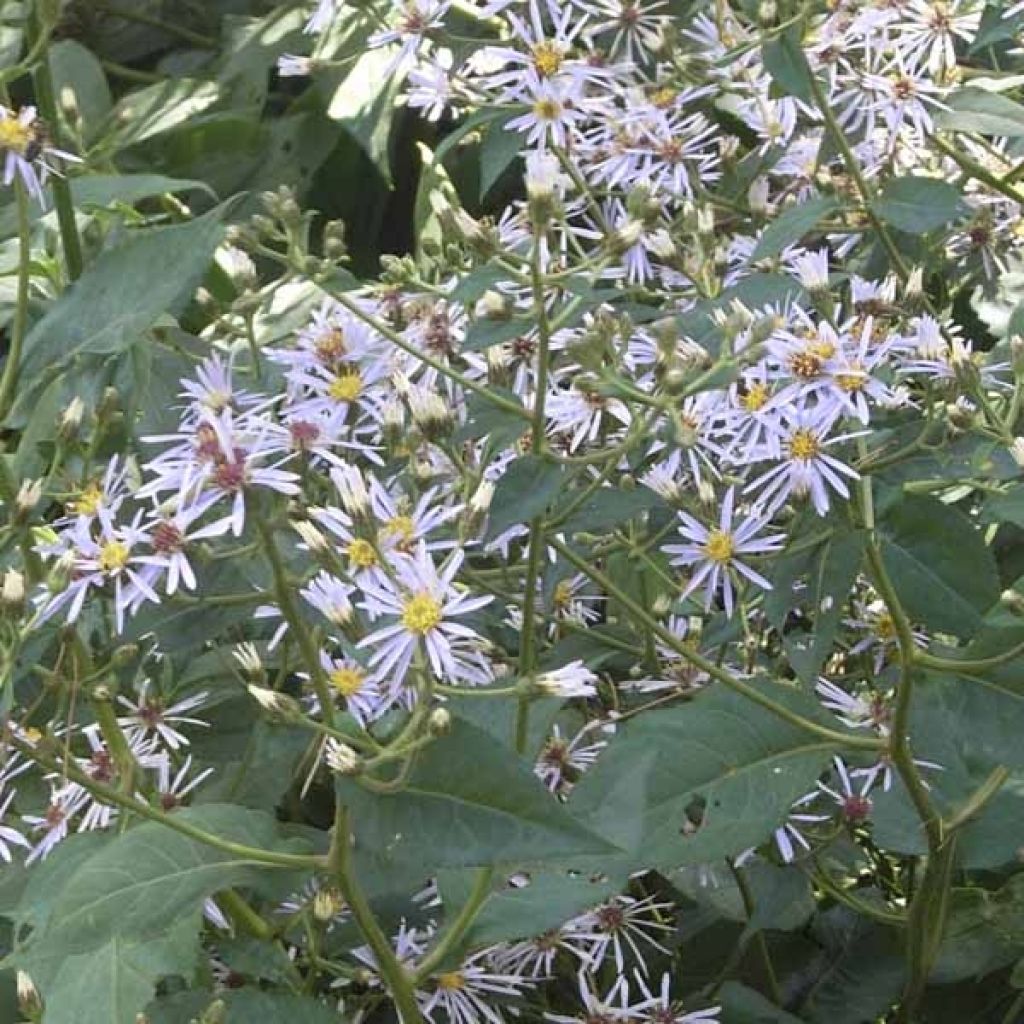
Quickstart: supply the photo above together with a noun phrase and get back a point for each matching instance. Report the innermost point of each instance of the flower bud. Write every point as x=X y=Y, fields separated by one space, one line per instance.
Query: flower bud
x=492 y=305
x=1013 y=602
x=440 y=722
x=215 y=1013
x=757 y=195
x=29 y=1003
x=1017 y=354
x=28 y=497
x=279 y=706
x=124 y=654
x=328 y=903
x=430 y=412
x=351 y=487
x=311 y=536
x=1017 y=451
x=60 y=575
x=341 y=758
x=71 y=419
x=250 y=663
x=12 y=593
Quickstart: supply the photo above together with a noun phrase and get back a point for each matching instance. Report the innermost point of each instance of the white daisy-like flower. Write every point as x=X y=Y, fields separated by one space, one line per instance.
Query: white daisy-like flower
x=423 y=603
x=716 y=550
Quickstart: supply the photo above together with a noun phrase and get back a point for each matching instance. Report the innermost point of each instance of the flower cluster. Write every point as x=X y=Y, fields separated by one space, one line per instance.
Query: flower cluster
x=649 y=434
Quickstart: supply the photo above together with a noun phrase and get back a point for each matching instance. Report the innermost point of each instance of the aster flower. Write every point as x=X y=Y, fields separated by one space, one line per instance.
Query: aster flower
x=716 y=551
x=467 y=994
x=660 y=1008
x=150 y=717
x=805 y=467
x=359 y=691
x=623 y=923
x=562 y=761
x=423 y=604
x=51 y=828
x=26 y=151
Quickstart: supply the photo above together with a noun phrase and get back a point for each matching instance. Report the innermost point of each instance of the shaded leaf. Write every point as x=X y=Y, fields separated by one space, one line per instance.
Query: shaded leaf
x=791 y=225
x=526 y=489
x=468 y=801
x=917 y=204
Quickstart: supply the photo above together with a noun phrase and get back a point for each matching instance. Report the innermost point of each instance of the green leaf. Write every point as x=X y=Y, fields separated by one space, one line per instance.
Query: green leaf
x=941 y=567
x=742 y=1005
x=785 y=61
x=471 y=287
x=864 y=970
x=791 y=226
x=243 y=1006
x=547 y=900
x=992 y=837
x=156 y=109
x=485 y=332
x=982 y=112
x=745 y=763
x=498 y=150
x=119 y=297
x=76 y=70
x=917 y=204
x=527 y=489
x=468 y=801
x=112 y=983
x=608 y=507
x=817 y=579
x=148 y=877
x=364 y=103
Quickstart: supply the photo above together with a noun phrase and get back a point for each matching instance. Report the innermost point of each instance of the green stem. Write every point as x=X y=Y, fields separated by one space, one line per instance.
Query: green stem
x=455 y=933
x=886 y=917
x=62 y=199
x=395 y=976
x=290 y=611
x=12 y=365
x=979 y=799
x=271 y=858
x=641 y=616
x=967 y=664
x=528 y=644
x=243 y=916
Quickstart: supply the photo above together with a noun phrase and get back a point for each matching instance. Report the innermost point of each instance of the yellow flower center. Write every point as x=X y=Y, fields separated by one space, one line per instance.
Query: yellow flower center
x=547 y=109
x=421 y=613
x=562 y=596
x=823 y=348
x=113 y=555
x=361 y=553
x=805 y=364
x=885 y=628
x=15 y=136
x=664 y=96
x=401 y=527
x=755 y=398
x=720 y=546
x=852 y=381
x=88 y=502
x=347 y=681
x=547 y=58
x=346 y=387
x=453 y=980
x=803 y=445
